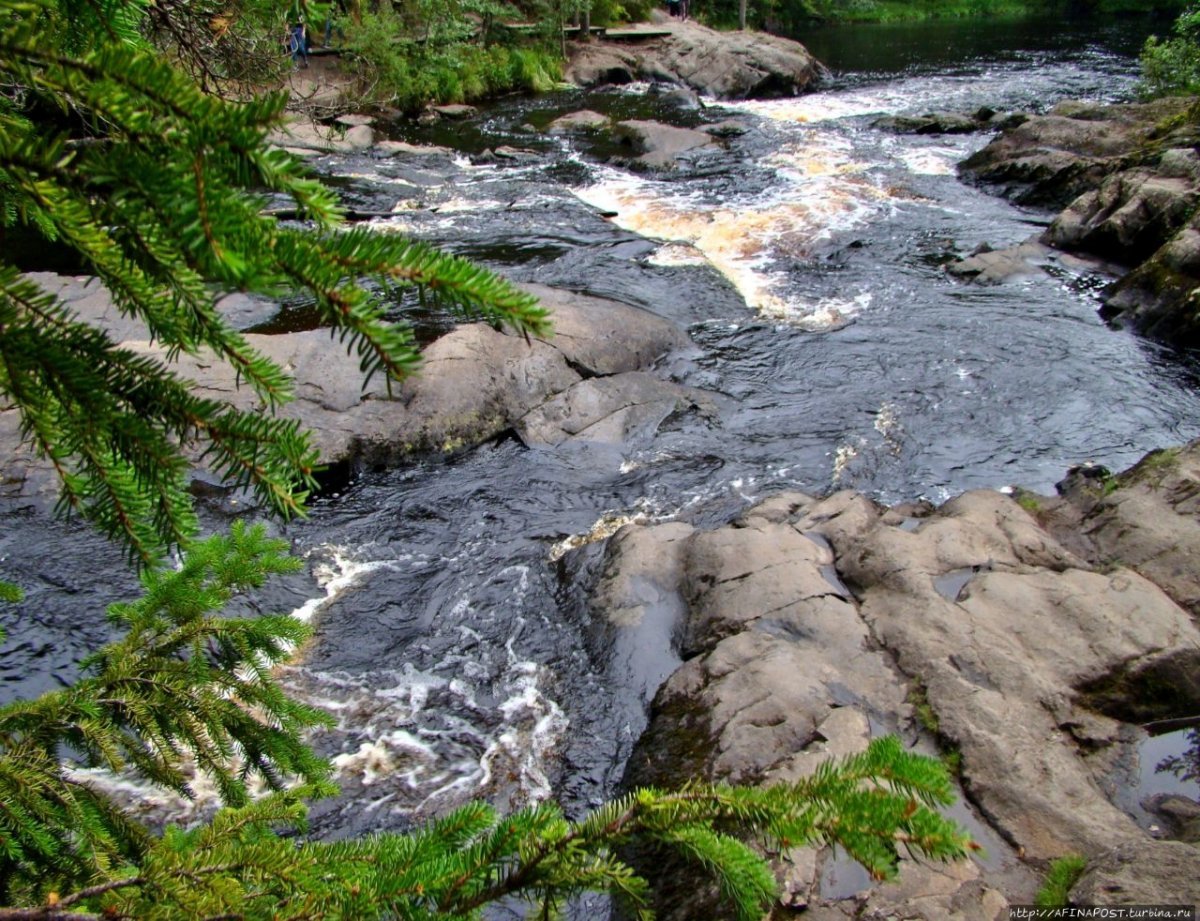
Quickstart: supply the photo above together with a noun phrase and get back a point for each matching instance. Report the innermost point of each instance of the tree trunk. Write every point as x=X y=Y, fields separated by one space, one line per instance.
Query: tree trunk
x=742 y=14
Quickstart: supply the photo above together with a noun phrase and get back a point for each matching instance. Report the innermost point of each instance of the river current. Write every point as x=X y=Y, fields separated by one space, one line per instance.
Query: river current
x=454 y=642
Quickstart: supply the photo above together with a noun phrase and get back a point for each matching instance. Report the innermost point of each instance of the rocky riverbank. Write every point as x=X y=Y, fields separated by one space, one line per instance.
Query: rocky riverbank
x=1024 y=638
x=723 y=65
x=590 y=381
x=1128 y=179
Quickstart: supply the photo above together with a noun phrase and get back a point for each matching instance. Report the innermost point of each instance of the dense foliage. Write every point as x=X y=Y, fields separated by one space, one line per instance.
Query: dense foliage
x=408 y=61
x=160 y=188
x=1171 y=66
x=794 y=17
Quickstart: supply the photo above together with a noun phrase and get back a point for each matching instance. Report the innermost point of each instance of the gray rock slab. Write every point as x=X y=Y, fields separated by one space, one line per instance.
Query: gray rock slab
x=475 y=382
x=601 y=336
x=616 y=409
x=1003 y=693
x=583 y=120
x=660 y=145
x=725 y=65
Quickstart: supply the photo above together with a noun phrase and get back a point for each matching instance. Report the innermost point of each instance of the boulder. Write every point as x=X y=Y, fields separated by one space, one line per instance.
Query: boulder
x=1129 y=178
x=1142 y=873
x=1148 y=518
x=598 y=336
x=782 y=674
x=1131 y=215
x=456 y=111
x=724 y=65
x=808 y=625
x=399 y=148
x=995 y=267
x=573 y=122
x=1052 y=159
x=659 y=145
x=620 y=409
x=639 y=608
x=1156 y=297
x=299 y=133
x=475 y=383
x=932 y=123
x=987 y=266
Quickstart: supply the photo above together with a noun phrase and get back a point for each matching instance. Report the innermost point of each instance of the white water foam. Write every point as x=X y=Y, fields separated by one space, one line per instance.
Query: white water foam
x=409 y=742
x=756 y=240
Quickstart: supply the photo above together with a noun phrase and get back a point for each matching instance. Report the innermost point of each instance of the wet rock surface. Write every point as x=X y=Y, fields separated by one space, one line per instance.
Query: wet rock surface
x=585 y=382
x=1128 y=179
x=1023 y=637
x=658 y=145
x=725 y=65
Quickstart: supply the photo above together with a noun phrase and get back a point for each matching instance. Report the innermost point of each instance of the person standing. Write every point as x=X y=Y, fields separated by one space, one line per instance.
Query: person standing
x=298 y=43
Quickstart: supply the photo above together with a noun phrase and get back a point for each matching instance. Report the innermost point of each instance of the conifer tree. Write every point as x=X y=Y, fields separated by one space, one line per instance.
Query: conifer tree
x=159 y=188
x=67 y=852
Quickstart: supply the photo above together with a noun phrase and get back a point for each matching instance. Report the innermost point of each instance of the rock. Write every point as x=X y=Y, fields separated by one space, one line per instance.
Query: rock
x=572 y=122
x=455 y=111
x=1052 y=159
x=1155 y=298
x=808 y=622
x=353 y=120
x=1131 y=215
x=987 y=266
x=304 y=134
x=932 y=123
x=359 y=137
x=726 y=129
x=638 y=601
x=1145 y=873
x=1180 y=813
x=620 y=409
x=601 y=64
x=725 y=65
x=505 y=152
x=660 y=145
x=1128 y=176
x=680 y=97
x=783 y=675
x=1151 y=521
x=995 y=267
x=397 y=148
x=475 y=383
x=598 y=336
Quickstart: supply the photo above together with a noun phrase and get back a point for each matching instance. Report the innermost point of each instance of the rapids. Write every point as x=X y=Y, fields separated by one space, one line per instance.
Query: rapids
x=454 y=644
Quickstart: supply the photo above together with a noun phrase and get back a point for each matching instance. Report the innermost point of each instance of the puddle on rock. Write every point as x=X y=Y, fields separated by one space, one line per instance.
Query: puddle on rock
x=951 y=584
x=1156 y=767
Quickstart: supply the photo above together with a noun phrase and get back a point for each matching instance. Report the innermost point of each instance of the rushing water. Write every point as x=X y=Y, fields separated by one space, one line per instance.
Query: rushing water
x=454 y=642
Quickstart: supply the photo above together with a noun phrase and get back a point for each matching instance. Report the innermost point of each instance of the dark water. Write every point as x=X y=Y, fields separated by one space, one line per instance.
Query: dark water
x=930 y=47
x=455 y=645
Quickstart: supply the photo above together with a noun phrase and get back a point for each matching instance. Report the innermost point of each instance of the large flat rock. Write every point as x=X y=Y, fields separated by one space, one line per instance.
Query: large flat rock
x=475 y=383
x=725 y=65
x=1026 y=640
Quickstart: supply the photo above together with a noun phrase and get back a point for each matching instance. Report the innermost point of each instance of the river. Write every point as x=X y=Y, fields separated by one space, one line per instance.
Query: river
x=454 y=643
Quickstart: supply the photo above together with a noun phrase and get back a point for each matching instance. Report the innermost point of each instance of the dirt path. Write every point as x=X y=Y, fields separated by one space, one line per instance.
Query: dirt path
x=321 y=88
